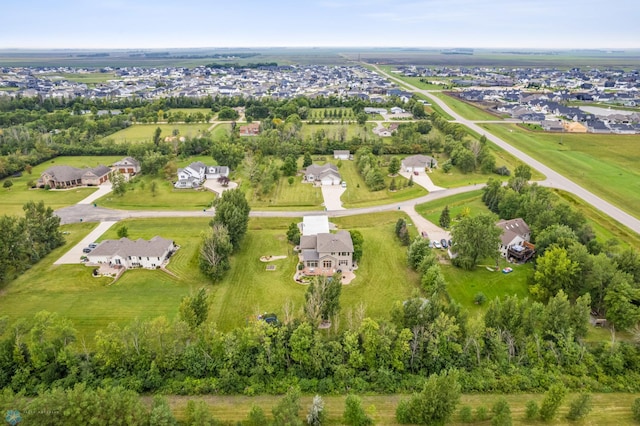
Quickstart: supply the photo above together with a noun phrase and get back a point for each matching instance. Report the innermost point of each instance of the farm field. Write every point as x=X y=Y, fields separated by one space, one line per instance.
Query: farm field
x=605 y=164
x=144 y=132
x=609 y=409
x=465 y=109
x=12 y=199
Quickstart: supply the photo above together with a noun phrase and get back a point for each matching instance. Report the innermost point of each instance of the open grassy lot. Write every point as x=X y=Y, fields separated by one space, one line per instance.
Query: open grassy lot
x=248 y=289
x=471 y=200
x=140 y=197
x=12 y=199
x=358 y=195
x=465 y=109
x=605 y=164
x=338 y=131
x=144 y=132
x=87 y=78
x=319 y=114
x=204 y=111
x=302 y=196
x=607 y=409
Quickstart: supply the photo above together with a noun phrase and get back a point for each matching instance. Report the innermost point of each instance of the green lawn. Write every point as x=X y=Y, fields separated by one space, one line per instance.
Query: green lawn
x=338 y=131
x=466 y=109
x=139 y=196
x=358 y=195
x=605 y=164
x=471 y=200
x=144 y=132
x=302 y=196
x=248 y=289
x=87 y=78
x=318 y=114
x=204 y=111
x=608 y=409
x=12 y=199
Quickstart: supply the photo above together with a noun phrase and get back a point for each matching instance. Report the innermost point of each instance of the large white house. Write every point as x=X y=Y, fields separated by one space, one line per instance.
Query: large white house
x=196 y=173
x=325 y=253
x=133 y=254
x=325 y=175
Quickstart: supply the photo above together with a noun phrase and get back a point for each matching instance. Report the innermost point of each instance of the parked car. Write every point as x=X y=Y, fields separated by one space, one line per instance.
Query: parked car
x=444 y=244
x=93 y=245
x=415 y=173
x=269 y=318
x=87 y=250
x=343 y=184
x=436 y=244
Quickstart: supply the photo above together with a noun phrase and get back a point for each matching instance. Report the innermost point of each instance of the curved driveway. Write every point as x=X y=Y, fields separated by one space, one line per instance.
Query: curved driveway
x=554 y=179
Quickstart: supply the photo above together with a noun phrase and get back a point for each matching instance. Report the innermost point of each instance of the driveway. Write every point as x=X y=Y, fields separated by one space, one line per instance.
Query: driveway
x=213 y=185
x=331 y=195
x=423 y=180
x=423 y=225
x=74 y=254
x=103 y=190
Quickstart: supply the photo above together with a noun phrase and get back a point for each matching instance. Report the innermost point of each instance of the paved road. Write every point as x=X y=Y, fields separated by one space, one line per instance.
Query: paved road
x=554 y=179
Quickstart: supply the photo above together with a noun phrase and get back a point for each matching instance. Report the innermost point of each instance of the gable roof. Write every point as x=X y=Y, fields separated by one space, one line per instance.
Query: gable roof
x=125 y=247
x=317 y=170
x=419 y=161
x=127 y=161
x=338 y=242
x=67 y=173
x=513 y=228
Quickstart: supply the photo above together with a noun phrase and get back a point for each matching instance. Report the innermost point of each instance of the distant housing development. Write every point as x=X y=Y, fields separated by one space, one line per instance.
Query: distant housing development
x=133 y=254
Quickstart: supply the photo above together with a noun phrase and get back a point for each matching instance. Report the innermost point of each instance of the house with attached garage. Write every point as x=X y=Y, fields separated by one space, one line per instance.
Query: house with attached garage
x=324 y=175
x=418 y=163
x=133 y=254
x=197 y=172
x=127 y=166
x=69 y=177
x=325 y=253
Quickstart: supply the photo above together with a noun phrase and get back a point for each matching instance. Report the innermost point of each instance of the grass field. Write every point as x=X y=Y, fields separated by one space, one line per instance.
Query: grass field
x=204 y=111
x=144 y=132
x=12 y=199
x=465 y=109
x=357 y=194
x=335 y=131
x=302 y=196
x=139 y=196
x=248 y=289
x=87 y=78
x=471 y=200
x=605 y=164
x=613 y=409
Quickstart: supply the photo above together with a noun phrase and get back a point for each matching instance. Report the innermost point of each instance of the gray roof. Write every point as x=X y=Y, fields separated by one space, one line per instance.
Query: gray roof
x=340 y=152
x=68 y=173
x=310 y=254
x=419 y=161
x=308 y=242
x=155 y=247
x=339 y=242
x=316 y=170
x=127 y=161
x=513 y=228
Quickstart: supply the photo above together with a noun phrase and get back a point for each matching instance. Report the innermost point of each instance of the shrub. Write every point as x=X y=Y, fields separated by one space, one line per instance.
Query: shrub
x=579 y=407
x=531 y=411
x=635 y=409
x=501 y=413
x=354 y=414
x=552 y=401
x=466 y=414
x=481 y=413
x=479 y=298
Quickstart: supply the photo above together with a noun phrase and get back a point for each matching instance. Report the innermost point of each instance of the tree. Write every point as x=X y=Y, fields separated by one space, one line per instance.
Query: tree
x=622 y=302
x=435 y=404
x=118 y=184
x=354 y=414
x=392 y=185
x=228 y=114
x=475 y=238
x=418 y=111
x=554 y=271
x=552 y=400
x=42 y=229
x=445 y=218
x=394 y=166
x=161 y=414
x=156 y=136
x=361 y=118
x=123 y=231
x=227 y=154
x=232 y=211
x=410 y=181
x=322 y=299
x=501 y=413
x=559 y=235
x=358 y=241
x=290 y=167
x=417 y=251
x=635 y=409
x=287 y=409
x=7 y=183
x=532 y=410
x=256 y=417
x=291 y=180
x=198 y=414
x=580 y=407
x=215 y=251
x=316 y=415
x=194 y=309
x=224 y=180
x=293 y=234
x=307 y=161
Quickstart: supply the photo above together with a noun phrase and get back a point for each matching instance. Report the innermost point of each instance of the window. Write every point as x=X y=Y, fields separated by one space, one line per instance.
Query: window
x=326 y=264
x=312 y=264
x=343 y=262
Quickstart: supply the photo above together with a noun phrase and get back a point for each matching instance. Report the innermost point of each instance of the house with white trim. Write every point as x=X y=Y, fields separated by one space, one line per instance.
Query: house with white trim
x=133 y=254
x=418 y=163
x=325 y=175
x=515 y=232
x=197 y=172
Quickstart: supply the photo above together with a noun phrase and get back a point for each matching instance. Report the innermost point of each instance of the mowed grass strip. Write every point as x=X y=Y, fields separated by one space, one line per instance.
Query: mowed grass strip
x=606 y=165
x=145 y=132
x=12 y=199
x=607 y=408
x=466 y=109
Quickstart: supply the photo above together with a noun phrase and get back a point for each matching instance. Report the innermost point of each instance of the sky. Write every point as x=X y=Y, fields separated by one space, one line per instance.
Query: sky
x=128 y=24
